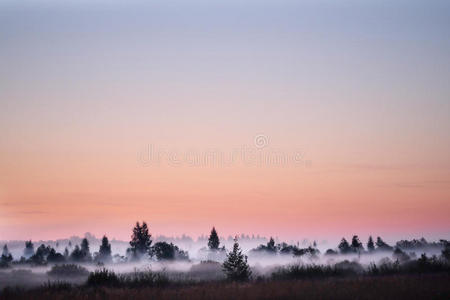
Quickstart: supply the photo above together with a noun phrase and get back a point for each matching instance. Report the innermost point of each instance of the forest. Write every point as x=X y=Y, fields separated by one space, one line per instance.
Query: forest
x=163 y=265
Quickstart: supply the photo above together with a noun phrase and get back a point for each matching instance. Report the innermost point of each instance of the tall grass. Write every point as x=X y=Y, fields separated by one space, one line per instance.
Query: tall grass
x=105 y=277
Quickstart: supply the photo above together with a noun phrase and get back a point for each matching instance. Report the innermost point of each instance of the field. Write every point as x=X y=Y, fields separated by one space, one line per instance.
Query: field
x=431 y=286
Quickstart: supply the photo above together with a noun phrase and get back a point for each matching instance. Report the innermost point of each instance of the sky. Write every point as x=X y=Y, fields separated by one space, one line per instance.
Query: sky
x=298 y=119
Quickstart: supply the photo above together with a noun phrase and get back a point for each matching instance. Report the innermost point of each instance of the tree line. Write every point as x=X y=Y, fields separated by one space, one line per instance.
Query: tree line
x=235 y=264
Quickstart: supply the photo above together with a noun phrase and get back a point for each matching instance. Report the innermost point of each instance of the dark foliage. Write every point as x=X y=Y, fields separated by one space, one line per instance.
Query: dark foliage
x=166 y=251
x=140 y=241
x=213 y=241
x=104 y=253
x=235 y=266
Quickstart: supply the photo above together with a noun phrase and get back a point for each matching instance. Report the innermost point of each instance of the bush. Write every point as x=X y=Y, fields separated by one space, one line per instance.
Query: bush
x=144 y=279
x=103 y=277
x=68 y=270
x=304 y=271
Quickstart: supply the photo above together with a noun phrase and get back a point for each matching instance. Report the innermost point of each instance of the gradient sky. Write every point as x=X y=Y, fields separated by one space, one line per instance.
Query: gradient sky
x=360 y=88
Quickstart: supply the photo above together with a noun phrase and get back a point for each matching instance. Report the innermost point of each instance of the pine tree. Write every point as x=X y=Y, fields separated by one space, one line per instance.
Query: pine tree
x=271 y=245
x=29 y=249
x=104 y=253
x=66 y=253
x=6 y=257
x=235 y=266
x=370 y=244
x=344 y=247
x=140 y=241
x=5 y=251
x=213 y=241
x=85 y=250
x=77 y=255
x=356 y=244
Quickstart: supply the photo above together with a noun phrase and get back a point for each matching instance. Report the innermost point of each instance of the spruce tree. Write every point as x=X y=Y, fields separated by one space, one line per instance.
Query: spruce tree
x=29 y=249
x=344 y=247
x=235 y=266
x=104 y=253
x=6 y=257
x=213 y=241
x=356 y=244
x=370 y=244
x=85 y=250
x=271 y=245
x=140 y=241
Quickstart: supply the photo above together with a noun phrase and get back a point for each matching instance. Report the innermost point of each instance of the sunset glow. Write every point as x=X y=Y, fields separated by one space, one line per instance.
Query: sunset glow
x=353 y=103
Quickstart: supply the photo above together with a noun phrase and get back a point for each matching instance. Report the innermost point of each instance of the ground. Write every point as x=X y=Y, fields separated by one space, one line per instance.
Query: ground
x=436 y=286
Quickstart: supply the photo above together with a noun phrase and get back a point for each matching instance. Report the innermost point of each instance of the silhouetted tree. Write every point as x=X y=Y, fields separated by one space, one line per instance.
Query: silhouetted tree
x=140 y=241
x=236 y=266
x=356 y=244
x=382 y=245
x=40 y=257
x=446 y=250
x=370 y=244
x=77 y=255
x=66 y=253
x=85 y=250
x=400 y=255
x=55 y=257
x=104 y=253
x=29 y=249
x=213 y=241
x=6 y=257
x=344 y=247
x=271 y=245
x=166 y=251
x=330 y=252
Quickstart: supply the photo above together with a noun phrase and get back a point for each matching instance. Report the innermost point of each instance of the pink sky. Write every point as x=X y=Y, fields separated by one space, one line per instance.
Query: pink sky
x=362 y=106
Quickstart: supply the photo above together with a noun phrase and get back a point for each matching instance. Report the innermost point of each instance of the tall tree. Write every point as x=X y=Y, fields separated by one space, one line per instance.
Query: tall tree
x=344 y=247
x=77 y=255
x=104 y=253
x=85 y=250
x=5 y=251
x=271 y=245
x=213 y=241
x=235 y=266
x=370 y=244
x=6 y=257
x=356 y=244
x=140 y=241
x=29 y=249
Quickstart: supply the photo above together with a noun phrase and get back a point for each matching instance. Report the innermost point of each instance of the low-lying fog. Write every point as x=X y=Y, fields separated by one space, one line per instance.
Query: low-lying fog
x=262 y=262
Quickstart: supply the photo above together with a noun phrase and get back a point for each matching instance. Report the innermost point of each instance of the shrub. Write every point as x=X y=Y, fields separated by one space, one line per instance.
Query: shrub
x=68 y=270
x=103 y=277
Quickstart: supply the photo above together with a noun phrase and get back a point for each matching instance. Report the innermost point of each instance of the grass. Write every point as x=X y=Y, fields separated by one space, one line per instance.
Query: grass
x=107 y=278
x=420 y=286
x=68 y=270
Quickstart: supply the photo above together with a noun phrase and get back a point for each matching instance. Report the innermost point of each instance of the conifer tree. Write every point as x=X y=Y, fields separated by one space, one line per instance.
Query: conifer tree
x=6 y=257
x=235 y=266
x=104 y=253
x=370 y=244
x=85 y=250
x=344 y=247
x=29 y=249
x=140 y=241
x=356 y=244
x=213 y=241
